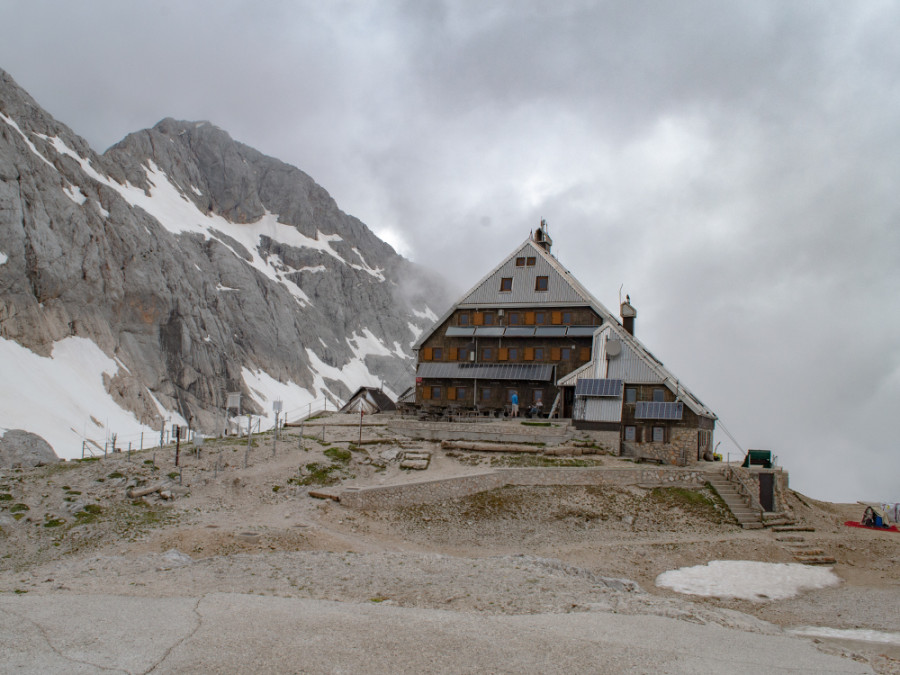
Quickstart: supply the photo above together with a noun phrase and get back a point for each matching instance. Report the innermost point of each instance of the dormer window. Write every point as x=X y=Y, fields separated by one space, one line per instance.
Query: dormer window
x=541 y=283
x=506 y=284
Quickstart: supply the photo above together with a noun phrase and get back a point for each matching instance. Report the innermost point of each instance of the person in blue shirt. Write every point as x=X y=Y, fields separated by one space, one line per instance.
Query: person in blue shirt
x=514 y=401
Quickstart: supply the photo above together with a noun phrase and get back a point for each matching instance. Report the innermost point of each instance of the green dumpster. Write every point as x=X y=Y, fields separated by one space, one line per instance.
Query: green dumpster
x=761 y=458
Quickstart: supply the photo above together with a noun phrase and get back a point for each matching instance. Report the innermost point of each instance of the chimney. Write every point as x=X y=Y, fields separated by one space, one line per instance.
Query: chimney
x=628 y=314
x=542 y=236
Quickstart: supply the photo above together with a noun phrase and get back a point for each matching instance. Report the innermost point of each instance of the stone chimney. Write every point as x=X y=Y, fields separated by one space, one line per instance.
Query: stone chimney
x=628 y=314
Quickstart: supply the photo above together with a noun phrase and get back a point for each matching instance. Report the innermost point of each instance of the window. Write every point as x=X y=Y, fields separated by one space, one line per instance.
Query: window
x=488 y=319
x=530 y=262
x=630 y=433
x=513 y=354
x=539 y=317
x=659 y=395
x=541 y=283
x=520 y=262
x=460 y=393
x=487 y=354
x=435 y=392
x=486 y=394
x=565 y=354
x=514 y=318
x=567 y=317
x=537 y=395
x=505 y=284
x=630 y=395
x=463 y=319
x=659 y=434
x=538 y=353
x=509 y=395
x=463 y=354
x=437 y=354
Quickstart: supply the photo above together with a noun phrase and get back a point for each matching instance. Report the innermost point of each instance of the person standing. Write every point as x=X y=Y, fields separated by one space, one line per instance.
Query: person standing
x=514 y=402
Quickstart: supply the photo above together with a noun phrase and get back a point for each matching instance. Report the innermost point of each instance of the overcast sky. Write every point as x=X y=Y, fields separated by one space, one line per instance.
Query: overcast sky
x=735 y=165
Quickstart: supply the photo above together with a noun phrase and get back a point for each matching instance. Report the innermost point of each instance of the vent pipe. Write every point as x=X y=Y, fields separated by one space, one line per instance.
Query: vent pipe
x=628 y=314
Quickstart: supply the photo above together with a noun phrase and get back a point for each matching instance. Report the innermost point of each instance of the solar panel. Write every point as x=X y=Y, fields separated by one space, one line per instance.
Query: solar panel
x=550 y=331
x=653 y=410
x=519 y=331
x=459 y=331
x=586 y=386
x=486 y=371
x=581 y=331
x=491 y=331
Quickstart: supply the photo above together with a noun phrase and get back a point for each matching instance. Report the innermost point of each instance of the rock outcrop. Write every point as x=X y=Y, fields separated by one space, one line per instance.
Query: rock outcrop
x=20 y=449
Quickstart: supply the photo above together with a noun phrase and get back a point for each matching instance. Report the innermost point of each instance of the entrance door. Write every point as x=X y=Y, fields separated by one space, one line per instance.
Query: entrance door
x=767 y=491
x=568 y=401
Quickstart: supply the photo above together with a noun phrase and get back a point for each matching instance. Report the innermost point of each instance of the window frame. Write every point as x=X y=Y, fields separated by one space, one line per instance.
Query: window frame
x=633 y=430
x=530 y=261
x=512 y=354
x=514 y=319
x=567 y=318
x=439 y=389
x=539 y=354
x=437 y=353
x=541 y=281
x=520 y=261
x=659 y=395
x=662 y=434
x=540 y=318
x=463 y=319
x=487 y=353
x=488 y=318
x=506 y=284
x=630 y=395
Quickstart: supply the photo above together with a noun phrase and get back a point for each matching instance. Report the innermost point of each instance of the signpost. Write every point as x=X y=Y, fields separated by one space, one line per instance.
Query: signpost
x=276 y=408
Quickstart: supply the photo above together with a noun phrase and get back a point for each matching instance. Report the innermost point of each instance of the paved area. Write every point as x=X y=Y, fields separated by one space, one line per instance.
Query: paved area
x=228 y=633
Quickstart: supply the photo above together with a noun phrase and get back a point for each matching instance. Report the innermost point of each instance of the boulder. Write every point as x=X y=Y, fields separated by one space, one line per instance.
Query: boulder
x=19 y=449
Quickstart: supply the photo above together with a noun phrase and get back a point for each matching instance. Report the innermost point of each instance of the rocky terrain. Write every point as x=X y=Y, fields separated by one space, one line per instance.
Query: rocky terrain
x=193 y=266
x=138 y=527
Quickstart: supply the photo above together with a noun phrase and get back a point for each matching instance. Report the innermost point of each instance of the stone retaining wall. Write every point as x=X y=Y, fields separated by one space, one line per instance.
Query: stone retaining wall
x=447 y=433
x=427 y=492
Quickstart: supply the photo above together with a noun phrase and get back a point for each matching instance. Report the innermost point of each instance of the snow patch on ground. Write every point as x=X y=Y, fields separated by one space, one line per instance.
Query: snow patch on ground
x=3 y=258
x=426 y=314
x=859 y=634
x=747 y=580
x=266 y=389
x=57 y=397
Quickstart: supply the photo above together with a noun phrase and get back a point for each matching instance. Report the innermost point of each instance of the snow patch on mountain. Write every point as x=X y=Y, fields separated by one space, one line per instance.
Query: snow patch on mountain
x=416 y=331
x=11 y=122
x=354 y=374
x=62 y=397
x=266 y=389
x=74 y=193
x=3 y=257
x=426 y=313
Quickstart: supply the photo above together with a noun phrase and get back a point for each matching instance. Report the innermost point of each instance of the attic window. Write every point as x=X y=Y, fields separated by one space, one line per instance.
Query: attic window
x=541 y=283
x=529 y=262
x=506 y=284
x=520 y=262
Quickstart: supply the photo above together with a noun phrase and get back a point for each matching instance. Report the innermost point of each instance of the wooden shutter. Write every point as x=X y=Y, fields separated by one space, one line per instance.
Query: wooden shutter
x=451 y=393
x=529 y=318
x=555 y=354
x=503 y=354
x=426 y=392
x=478 y=319
x=556 y=318
x=585 y=354
x=454 y=354
x=529 y=353
x=427 y=355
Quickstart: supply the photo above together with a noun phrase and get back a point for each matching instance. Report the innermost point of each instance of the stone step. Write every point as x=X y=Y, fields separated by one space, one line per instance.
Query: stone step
x=815 y=559
x=752 y=525
x=790 y=538
x=793 y=528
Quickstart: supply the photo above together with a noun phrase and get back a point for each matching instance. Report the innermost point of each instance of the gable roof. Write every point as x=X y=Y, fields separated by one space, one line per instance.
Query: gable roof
x=562 y=288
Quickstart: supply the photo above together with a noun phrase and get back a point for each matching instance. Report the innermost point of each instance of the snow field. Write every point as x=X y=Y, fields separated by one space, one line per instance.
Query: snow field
x=747 y=580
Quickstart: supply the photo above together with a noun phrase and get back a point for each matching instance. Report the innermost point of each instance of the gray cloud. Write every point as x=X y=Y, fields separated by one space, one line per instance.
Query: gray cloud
x=732 y=164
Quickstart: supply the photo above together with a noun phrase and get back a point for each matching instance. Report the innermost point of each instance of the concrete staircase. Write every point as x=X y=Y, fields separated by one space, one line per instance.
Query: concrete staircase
x=748 y=518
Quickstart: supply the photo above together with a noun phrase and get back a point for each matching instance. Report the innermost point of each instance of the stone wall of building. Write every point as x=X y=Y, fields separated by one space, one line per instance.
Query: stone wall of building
x=427 y=492
x=680 y=448
x=750 y=476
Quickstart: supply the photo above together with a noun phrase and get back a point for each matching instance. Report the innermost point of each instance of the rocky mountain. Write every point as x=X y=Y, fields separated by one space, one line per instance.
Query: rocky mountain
x=176 y=267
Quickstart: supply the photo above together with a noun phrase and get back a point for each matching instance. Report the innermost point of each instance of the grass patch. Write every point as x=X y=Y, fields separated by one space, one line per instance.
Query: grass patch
x=536 y=424
x=87 y=459
x=542 y=461
x=118 y=474
x=5 y=497
x=16 y=508
x=173 y=475
x=318 y=474
x=54 y=522
x=337 y=455
x=276 y=488
x=702 y=503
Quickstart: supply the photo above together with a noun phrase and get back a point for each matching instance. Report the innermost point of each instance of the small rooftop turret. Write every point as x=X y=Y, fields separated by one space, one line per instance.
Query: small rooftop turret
x=542 y=236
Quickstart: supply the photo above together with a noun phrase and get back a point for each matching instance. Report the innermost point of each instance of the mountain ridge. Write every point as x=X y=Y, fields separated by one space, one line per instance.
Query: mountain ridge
x=200 y=266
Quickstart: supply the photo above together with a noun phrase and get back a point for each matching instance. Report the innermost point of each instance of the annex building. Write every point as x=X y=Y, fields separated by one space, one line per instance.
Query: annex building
x=530 y=328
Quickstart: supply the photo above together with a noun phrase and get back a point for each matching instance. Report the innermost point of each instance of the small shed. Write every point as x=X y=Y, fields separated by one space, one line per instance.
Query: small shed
x=369 y=400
